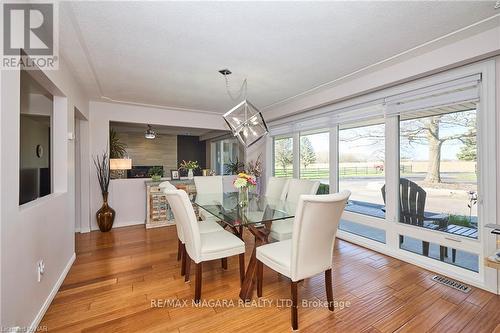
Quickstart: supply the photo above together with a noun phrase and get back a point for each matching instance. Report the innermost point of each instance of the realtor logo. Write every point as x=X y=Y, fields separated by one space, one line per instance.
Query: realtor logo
x=30 y=27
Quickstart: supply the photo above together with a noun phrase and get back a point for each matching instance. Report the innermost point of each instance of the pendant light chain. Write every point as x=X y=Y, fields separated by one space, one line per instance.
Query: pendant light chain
x=241 y=91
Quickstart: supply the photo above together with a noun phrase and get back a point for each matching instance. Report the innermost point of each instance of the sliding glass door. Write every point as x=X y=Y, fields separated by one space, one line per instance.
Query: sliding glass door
x=438 y=179
x=224 y=151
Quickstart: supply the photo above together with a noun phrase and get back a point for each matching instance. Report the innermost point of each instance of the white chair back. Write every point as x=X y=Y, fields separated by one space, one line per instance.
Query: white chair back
x=208 y=184
x=297 y=187
x=314 y=229
x=276 y=187
x=166 y=186
x=186 y=218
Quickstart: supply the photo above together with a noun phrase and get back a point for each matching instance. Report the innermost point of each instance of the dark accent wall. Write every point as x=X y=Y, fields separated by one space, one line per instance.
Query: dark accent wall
x=190 y=148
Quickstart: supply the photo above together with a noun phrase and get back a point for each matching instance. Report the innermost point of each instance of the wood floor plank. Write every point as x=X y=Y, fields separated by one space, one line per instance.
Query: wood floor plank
x=119 y=278
x=456 y=320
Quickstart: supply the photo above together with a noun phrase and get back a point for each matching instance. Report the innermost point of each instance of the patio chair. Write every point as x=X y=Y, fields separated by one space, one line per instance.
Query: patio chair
x=412 y=211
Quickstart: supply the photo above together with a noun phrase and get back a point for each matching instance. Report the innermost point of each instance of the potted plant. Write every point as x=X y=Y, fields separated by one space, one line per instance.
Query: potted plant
x=234 y=167
x=189 y=166
x=155 y=173
x=243 y=182
x=117 y=149
x=105 y=215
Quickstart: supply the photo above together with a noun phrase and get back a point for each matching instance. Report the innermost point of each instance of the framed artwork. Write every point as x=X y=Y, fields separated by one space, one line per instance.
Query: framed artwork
x=174 y=175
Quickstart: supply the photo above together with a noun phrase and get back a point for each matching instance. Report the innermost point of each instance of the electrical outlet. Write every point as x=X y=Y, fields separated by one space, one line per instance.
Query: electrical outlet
x=40 y=267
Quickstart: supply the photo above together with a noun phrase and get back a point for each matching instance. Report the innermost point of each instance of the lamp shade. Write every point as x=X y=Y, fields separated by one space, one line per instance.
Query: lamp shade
x=246 y=123
x=120 y=163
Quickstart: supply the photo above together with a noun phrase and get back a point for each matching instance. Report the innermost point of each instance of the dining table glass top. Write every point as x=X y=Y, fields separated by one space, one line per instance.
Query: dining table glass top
x=259 y=209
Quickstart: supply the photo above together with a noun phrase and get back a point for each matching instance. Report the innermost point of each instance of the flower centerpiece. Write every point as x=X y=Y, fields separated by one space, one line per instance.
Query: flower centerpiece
x=243 y=182
x=189 y=166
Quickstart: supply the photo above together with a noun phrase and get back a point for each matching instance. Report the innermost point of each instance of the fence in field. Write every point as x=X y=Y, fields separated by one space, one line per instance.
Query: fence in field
x=323 y=173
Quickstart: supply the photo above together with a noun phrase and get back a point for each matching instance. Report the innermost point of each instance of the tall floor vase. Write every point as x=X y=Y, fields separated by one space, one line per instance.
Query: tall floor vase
x=105 y=215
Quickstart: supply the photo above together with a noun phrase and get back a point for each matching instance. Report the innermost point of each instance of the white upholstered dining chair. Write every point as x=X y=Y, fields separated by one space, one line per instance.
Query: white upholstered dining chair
x=199 y=246
x=310 y=251
x=205 y=227
x=208 y=185
x=276 y=187
x=294 y=188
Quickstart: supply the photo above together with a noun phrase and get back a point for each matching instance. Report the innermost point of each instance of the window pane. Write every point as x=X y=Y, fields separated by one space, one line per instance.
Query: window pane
x=283 y=157
x=35 y=175
x=438 y=171
x=362 y=230
x=361 y=168
x=314 y=158
x=448 y=255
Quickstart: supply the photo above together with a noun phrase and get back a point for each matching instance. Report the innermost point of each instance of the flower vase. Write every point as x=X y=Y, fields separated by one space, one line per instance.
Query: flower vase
x=105 y=215
x=190 y=174
x=243 y=197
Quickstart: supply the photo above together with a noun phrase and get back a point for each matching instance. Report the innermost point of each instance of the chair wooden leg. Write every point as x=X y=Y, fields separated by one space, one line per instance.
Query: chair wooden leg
x=183 y=259
x=442 y=252
x=329 y=289
x=197 y=290
x=242 y=266
x=179 y=249
x=188 y=267
x=260 y=275
x=425 y=248
x=224 y=263
x=295 y=319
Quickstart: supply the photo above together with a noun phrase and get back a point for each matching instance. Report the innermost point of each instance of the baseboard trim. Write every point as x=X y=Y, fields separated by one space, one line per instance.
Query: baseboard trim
x=53 y=292
x=120 y=224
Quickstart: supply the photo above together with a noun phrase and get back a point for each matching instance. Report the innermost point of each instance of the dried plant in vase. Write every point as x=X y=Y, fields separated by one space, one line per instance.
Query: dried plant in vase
x=105 y=215
x=189 y=166
x=256 y=169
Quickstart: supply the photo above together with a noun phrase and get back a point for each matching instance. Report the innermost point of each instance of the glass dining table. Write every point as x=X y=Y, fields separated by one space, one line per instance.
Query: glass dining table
x=257 y=215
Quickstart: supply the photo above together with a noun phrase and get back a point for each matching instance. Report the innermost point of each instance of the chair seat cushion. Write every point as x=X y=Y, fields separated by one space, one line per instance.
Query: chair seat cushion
x=209 y=226
x=277 y=256
x=282 y=230
x=220 y=244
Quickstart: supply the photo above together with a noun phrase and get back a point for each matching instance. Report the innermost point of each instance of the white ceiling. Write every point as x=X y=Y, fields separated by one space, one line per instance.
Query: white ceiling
x=168 y=53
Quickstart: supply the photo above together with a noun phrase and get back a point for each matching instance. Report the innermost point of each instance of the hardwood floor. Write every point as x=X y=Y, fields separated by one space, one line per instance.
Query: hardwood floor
x=117 y=276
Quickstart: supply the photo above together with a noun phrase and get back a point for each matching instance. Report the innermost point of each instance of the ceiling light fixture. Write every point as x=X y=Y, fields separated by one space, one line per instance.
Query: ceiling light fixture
x=245 y=120
x=150 y=134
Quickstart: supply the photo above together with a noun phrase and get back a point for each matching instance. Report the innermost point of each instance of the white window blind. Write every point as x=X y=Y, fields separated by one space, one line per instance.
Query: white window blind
x=455 y=95
x=332 y=117
x=463 y=91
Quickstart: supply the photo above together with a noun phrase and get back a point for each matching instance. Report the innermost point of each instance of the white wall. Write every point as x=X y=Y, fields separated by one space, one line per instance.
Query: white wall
x=102 y=113
x=44 y=228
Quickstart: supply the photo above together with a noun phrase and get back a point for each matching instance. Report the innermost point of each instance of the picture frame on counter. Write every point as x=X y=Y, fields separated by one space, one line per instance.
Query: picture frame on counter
x=174 y=175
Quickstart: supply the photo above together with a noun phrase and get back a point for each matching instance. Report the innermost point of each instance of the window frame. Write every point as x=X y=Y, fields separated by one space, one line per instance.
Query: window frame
x=484 y=245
